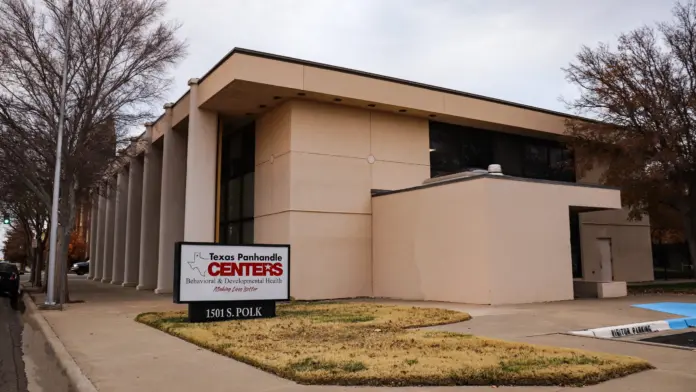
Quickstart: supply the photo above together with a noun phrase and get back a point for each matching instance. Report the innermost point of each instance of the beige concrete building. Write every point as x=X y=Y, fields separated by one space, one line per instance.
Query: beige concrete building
x=373 y=182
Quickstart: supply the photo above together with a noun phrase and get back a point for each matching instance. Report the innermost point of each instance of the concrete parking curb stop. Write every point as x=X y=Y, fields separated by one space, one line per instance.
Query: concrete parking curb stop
x=78 y=380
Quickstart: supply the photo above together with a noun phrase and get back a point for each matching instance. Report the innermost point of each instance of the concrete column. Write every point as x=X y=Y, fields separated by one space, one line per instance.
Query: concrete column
x=150 y=215
x=135 y=204
x=108 y=255
x=201 y=160
x=172 y=201
x=101 y=227
x=93 y=212
x=120 y=227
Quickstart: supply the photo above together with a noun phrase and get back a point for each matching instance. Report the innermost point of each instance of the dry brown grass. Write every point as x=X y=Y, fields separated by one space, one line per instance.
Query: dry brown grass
x=370 y=344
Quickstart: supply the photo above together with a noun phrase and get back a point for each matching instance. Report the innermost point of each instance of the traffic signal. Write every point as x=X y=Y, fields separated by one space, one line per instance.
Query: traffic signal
x=6 y=219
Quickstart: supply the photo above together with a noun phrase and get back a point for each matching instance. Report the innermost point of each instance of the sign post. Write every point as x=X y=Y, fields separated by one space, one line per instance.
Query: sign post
x=231 y=282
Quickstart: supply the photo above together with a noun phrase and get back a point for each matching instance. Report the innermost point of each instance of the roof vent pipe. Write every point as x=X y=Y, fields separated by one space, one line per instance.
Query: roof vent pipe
x=495 y=170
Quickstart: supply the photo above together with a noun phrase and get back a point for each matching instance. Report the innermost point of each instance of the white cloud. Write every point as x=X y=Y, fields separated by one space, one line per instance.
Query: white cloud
x=507 y=49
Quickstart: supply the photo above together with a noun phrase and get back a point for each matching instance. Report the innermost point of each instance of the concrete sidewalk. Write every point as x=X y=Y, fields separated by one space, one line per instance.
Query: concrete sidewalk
x=118 y=354
x=12 y=370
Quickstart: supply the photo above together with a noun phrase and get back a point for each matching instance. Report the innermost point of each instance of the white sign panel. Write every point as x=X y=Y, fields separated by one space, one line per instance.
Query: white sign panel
x=213 y=272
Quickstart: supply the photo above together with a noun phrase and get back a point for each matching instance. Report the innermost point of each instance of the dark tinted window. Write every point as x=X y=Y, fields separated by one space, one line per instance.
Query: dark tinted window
x=445 y=149
x=575 y=245
x=455 y=148
x=237 y=186
x=508 y=154
x=477 y=148
x=8 y=268
x=561 y=164
x=535 y=160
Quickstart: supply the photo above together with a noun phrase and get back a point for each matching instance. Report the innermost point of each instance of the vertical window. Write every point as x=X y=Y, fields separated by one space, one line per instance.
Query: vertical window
x=508 y=154
x=445 y=149
x=575 y=245
x=234 y=189
x=536 y=161
x=247 y=196
x=477 y=148
x=561 y=164
x=237 y=186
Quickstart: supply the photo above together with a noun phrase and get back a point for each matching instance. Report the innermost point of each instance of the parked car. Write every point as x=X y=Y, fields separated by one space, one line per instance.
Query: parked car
x=9 y=283
x=18 y=265
x=80 y=268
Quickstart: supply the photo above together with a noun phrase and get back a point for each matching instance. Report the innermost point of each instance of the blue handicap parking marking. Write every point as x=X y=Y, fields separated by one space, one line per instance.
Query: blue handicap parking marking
x=679 y=308
x=679 y=323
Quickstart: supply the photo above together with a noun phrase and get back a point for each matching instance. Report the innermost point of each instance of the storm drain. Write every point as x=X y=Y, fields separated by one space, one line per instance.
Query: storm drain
x=685 y=339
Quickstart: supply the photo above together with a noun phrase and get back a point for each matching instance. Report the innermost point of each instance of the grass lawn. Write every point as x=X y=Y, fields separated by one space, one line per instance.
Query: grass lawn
x=369 y=344
x=663 y=288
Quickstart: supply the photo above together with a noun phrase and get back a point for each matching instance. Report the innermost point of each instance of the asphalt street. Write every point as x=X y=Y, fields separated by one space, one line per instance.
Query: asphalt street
x=12 y=374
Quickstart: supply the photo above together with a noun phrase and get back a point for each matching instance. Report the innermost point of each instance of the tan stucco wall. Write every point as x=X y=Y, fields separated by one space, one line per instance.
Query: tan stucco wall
x=200 y=212
x=313 y=176
x=630 y=240
x=429 y=245
x=530 y=238
x=467 y=242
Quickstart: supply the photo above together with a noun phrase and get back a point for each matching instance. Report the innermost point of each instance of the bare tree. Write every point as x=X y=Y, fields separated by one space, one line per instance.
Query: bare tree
x=14 y=248
x=119 y=54
x=31 y=219
x=27 y=210
x=643 y=93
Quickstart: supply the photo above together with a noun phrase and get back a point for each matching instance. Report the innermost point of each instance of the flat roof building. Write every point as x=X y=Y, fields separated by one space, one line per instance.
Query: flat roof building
x=372 y=182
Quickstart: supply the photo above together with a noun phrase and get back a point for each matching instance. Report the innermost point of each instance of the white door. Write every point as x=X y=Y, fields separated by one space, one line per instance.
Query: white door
x=606 y=273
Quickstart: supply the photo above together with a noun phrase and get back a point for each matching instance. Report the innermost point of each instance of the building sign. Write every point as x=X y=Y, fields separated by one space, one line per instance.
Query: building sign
x=223 y=282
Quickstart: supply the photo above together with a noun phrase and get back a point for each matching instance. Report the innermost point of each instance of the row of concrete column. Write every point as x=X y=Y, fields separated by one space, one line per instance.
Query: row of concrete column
x=140 y=213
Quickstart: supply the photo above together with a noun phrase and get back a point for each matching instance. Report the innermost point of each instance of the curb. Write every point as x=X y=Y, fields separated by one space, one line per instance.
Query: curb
x=590 y=336
x=620 y=331
x=78 y=380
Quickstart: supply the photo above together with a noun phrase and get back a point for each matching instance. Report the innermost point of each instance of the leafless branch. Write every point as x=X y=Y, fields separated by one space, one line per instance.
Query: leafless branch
x=120 y=53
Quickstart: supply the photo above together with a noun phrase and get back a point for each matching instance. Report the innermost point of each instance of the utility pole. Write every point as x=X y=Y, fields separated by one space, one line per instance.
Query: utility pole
x=51 y=271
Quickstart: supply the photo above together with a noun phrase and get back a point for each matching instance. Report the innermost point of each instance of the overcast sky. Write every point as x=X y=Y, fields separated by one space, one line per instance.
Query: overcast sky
x=508 y=49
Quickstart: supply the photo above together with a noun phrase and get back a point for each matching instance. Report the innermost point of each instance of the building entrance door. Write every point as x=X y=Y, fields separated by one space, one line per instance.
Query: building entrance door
x=605 y=259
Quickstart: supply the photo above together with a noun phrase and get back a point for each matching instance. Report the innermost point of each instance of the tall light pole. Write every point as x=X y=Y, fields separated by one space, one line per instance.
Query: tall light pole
x=50 y=289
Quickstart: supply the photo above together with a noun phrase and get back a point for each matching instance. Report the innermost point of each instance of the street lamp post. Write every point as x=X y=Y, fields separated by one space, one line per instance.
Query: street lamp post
x=50 y=289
